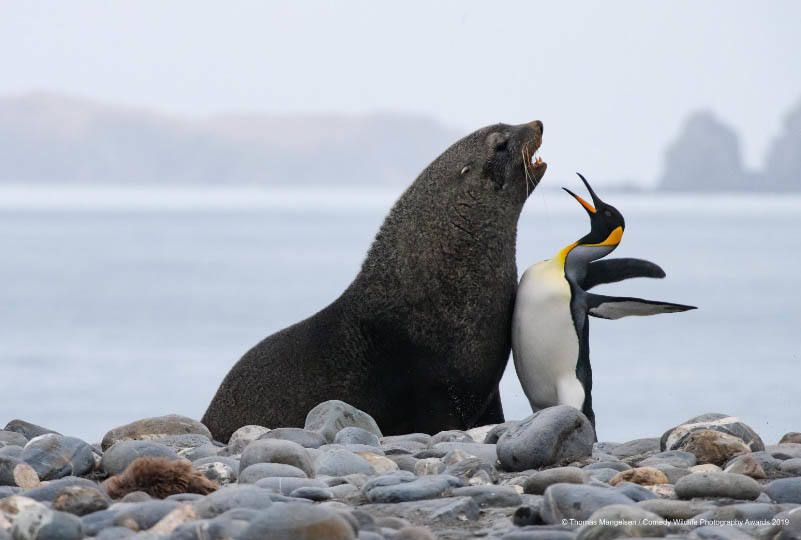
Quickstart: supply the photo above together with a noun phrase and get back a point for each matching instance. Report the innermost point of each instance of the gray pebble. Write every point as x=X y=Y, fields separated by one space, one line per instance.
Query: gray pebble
x=142 y=516
x=291 y=520
x=539 y=481
x=49 y=491
x=114 y=533
x=489 y=495
x=676 y=458
x=785 y=490
x=277 y=451
x=551 y=436
x=231 y=497
x=638 y=522
x=635 y=492
x=356 y=435
x=257 y=471
x=12 y=438
x=117 y=458
x=636 y=447
x=577 y=501
x=329 y=417
x=54 y=456
x=41 y=523
x=28 y=430
x=285 y=486
x=341 y=463
x=304 y=437
x=619 y=466
x=80 y=500
x=312 y=493
x=425 y=487
x=718 y=484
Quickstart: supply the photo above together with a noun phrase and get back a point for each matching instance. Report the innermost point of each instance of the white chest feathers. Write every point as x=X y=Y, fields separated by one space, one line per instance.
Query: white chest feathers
x=544 y=341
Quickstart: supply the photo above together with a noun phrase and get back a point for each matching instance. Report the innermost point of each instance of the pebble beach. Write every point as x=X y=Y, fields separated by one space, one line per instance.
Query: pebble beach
x=339 y=477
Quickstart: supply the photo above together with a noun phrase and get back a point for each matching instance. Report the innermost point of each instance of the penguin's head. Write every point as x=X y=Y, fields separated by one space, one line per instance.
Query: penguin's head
x=606 y=225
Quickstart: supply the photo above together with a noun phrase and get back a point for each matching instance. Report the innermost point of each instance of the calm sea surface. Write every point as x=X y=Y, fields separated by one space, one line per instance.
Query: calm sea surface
x=116 y=305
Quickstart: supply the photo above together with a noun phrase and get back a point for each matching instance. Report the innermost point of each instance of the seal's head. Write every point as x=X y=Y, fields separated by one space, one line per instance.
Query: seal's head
x=500 y=158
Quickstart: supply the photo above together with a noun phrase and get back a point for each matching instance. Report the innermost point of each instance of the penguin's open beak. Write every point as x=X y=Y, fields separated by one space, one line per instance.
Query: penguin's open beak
x=587 y=206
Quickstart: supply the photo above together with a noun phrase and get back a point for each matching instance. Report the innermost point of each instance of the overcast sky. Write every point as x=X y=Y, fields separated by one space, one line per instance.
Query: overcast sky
x=612 y=81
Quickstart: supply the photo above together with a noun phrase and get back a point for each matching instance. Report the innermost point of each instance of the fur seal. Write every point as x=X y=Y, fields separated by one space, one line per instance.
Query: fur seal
x=421 y=337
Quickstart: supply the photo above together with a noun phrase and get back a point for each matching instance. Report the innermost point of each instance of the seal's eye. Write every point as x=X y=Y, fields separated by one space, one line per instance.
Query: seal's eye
x=465 y=170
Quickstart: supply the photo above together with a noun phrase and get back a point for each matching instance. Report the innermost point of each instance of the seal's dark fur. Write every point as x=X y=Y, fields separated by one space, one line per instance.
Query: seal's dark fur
x=421 y=337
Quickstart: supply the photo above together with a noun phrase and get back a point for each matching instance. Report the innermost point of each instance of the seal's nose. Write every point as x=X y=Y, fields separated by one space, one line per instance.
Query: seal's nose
x=536 y=124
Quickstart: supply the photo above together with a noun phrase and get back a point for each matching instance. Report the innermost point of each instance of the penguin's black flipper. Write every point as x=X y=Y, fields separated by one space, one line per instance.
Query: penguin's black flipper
x=615 y=307
x=613 y=270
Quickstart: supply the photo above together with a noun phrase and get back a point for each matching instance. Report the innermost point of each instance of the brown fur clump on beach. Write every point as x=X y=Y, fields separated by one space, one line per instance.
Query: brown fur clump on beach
x=160 y=478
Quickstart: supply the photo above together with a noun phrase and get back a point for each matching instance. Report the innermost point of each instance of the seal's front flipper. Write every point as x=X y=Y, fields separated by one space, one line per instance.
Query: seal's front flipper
x=615 y=307
x=613 y=270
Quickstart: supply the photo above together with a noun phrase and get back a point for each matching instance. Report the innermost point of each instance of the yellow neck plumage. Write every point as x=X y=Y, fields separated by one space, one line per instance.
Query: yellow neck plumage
x=612 y=240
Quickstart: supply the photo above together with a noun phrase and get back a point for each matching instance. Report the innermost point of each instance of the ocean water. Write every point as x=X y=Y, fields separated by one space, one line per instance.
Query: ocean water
x=121 y=304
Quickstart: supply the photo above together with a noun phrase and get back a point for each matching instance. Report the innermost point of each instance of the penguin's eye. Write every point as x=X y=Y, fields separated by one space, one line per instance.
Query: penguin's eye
x=465 y=170
x=607 y=213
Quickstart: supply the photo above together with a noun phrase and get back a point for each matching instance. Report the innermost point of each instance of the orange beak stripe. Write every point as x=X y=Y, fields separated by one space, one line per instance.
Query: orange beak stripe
x=585 y=204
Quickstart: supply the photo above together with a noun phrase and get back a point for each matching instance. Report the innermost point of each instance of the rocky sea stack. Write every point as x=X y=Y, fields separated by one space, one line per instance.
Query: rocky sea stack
x=338 y=478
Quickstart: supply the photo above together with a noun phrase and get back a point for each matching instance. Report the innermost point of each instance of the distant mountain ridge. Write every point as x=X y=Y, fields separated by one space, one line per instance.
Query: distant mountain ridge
x=706 y=156
x=49 y=138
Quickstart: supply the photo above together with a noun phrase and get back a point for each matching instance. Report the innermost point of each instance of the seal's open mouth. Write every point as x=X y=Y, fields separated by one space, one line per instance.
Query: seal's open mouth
x=533 y=164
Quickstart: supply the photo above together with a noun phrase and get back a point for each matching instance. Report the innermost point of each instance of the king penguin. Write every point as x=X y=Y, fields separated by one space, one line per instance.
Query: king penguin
x=550 y=325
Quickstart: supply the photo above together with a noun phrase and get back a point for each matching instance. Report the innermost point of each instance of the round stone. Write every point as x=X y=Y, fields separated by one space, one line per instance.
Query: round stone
x=380 y=464
x=356 y=435
x=293 y=520
x=539 y=481
x=398 y=488
x=341 y=463
x=231 y=497
x=117 y=458
x=257 y=471
x=304 y=437
x=329 y=417
x=748 y=465
x=785 y=490
x=730 y=425
x=12 y=438
x=217 y=471
x=15 y=472
x=576 y=501
x=144 y=515
x=277 y=451
x=80 y=500
x=646 y=476
x=153 y=428
x=313 y=493
x=622 y=521
x=54 y=456
x=285 y=486
x=792 y=437
x=718 y=484
x=244 y=436
x=41 y=523
x=552 y=436
x=712 y=447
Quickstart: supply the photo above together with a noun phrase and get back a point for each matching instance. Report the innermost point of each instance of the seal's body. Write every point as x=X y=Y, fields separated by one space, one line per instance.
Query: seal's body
x=421 y=337
x=550 y=325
